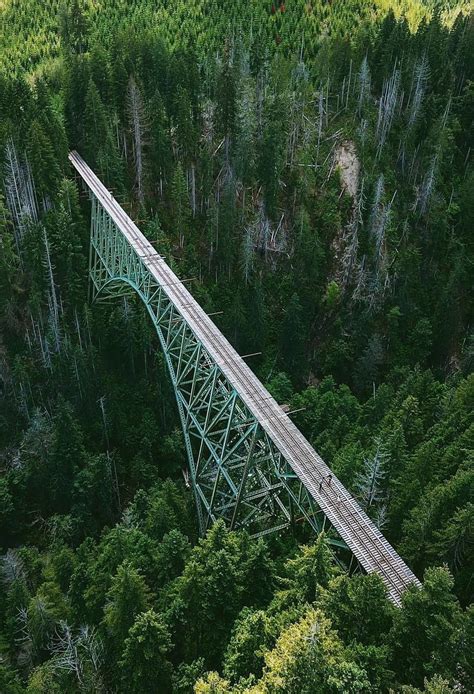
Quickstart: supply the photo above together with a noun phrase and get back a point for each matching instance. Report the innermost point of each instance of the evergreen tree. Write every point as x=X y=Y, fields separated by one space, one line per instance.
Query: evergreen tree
x=128 y=597
x=309 y=657
x=423 y=646
x=67 y=458
x=293 y=338
x=44 y=165
x=364 y=596
x=73 y=26
x=95 y=124
x=311 y=569
x=143 y=663
x=244 y=653
x=181 y=210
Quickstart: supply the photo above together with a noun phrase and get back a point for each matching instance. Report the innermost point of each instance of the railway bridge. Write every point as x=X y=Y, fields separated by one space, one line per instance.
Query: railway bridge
x=248 y=462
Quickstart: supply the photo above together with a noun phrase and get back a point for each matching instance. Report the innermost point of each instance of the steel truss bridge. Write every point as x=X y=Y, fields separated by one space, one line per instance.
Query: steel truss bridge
x=249 y=464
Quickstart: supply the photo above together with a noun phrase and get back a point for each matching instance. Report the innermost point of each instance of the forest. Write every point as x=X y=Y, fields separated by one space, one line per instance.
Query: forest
x=310 y=163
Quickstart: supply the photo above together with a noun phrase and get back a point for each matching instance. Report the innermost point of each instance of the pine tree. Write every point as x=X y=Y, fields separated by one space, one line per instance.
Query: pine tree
x=423 y=646
x=161 y=154
x=95 y=125
x=311 y=569
x=181 y=209
x=128 y=596
x=244 y=654
x=73 y=25
x=144 y=665
x=309 y=657
x=44 y=165
x=66 y=459
x=293 y=338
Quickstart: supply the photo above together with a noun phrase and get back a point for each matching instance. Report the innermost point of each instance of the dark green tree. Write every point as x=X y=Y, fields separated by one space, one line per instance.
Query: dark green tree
x=73 y=26
x=424 y=644
x=127 y=598
x=251 y=634
x=144 y=664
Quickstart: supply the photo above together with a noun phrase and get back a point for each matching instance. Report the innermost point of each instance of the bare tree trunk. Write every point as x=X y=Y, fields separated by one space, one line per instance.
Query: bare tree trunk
x=54 y=311
x=20 y=191
x=138 y=128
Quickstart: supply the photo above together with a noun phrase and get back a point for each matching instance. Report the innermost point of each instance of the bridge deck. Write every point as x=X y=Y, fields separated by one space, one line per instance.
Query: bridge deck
x=360 y=534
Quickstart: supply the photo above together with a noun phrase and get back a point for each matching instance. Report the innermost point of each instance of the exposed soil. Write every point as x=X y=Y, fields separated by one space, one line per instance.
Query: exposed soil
x=349 y=166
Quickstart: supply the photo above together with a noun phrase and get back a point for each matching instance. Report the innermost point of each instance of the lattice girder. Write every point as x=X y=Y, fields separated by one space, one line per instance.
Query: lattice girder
x=236 y=472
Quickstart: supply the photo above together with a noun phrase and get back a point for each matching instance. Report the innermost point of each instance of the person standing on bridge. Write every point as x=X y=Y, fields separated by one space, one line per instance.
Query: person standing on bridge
x=329 y=480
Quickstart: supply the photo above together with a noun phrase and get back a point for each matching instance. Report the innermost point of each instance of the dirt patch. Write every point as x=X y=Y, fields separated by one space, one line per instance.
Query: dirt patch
x=349 y=166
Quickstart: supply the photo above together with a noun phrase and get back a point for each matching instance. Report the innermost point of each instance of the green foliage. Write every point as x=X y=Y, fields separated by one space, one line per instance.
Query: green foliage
x=292 y=340
x=225 y=129
x=311 y=569
x=212 y=684
x=143 y=664
x=363 y=595
x=280 y=387
x=9 y=681
x=186 y=675
x=309 y=657
x=127 y=597
x=244 y=653
x=427 y=630
x=331 y=297
x=436 y=685
x=225 y=572
x=73 y=25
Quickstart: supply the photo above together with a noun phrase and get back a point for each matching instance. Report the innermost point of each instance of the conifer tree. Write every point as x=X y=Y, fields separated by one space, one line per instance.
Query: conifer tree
x=128 y=596
x=95 y=125
x=144 y=663
x=180 y=199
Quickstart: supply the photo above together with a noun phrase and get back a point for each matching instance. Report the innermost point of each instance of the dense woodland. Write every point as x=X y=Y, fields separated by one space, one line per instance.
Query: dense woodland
x=311 y=164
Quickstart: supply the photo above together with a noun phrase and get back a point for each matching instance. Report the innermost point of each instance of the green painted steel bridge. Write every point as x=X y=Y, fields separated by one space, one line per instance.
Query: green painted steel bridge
x=248 y=463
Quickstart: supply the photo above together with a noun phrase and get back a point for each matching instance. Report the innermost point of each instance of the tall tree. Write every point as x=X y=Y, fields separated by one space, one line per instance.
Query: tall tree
x=423 y=646
x=144 y=665
x=128 y=597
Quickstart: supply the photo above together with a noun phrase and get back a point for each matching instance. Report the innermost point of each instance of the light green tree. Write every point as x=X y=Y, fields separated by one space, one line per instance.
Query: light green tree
x=309 y=657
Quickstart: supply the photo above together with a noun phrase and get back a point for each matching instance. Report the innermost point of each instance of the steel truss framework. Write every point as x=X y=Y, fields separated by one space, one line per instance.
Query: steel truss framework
x=249 y=464
x=237 y=472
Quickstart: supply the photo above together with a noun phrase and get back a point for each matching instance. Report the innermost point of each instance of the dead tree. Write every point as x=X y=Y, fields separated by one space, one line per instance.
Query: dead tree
x=53 y=304
x=138 y=129
x=387 y=107
x=20 y=191
x=421 y=73
x=369 y=482
x=364 y=85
